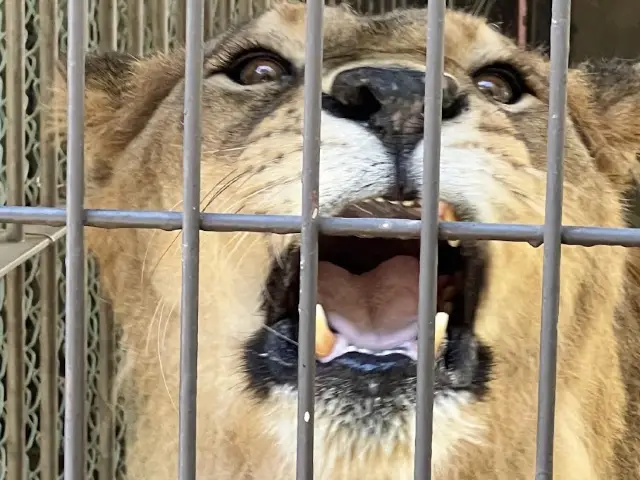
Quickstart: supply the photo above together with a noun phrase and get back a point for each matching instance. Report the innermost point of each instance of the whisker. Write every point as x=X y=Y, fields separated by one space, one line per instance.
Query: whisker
x=279 y=335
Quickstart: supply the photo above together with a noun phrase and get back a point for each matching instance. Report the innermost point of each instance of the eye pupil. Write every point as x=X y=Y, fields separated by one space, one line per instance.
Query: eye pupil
x=259 y=71
x=496 y=88
x=500 y=84
x=258 y=67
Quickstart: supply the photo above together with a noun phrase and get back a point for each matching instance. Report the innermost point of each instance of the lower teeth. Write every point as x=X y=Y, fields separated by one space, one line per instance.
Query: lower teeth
x=378 y=353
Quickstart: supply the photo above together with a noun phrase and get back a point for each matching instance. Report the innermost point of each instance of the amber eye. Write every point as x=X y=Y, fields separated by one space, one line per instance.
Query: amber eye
x=501 y=84
x=259 y=67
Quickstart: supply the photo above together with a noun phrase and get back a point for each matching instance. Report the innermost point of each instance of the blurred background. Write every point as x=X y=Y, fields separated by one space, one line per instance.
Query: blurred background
x=32 y=171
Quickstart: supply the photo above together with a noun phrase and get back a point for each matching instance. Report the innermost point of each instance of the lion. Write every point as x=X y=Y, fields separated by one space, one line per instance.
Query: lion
x=493 y=170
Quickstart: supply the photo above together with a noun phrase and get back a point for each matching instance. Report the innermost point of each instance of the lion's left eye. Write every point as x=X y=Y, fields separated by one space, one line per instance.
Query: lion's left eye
x=259 y=67
x=501 y=84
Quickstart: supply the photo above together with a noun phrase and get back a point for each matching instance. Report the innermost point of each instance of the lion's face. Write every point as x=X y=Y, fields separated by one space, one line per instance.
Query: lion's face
x=493 y=169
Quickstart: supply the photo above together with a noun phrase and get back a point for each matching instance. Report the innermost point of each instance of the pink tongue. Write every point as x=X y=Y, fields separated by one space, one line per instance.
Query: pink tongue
x=376 y=310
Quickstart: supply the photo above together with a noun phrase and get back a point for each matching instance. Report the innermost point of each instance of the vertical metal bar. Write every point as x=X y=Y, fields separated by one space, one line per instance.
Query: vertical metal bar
x=136 y=27
x=49 y=364
x=48 y=270
x=108 y=25
x=75 y=329
x=560 y=24
x=233 y=11
x=522 y=23
x=210 y=16
x=181 y=21
x=160 y=24
x=106 y=371
x=223 y=14
x=429 y=237
x=309 y=236
x=15 y=374
x=533 y=22
x=190 y=240
x=244 y=10
x=15 y=71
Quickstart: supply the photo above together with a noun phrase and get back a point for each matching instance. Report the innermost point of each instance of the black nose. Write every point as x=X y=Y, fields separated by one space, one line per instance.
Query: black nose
x=390 y=102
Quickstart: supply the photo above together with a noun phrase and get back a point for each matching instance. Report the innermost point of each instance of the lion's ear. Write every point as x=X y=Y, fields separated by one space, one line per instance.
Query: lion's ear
x=121 y=93
x=605 y=99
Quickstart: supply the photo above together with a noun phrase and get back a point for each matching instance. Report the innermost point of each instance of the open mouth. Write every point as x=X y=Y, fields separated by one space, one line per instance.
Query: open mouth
x=367 y=313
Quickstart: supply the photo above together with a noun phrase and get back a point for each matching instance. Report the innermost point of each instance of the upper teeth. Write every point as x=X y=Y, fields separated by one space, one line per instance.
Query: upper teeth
x=404 y=203
x=446 y=212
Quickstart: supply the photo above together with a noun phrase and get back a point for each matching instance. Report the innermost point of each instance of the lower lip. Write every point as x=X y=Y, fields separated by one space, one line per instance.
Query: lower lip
x=367 y=363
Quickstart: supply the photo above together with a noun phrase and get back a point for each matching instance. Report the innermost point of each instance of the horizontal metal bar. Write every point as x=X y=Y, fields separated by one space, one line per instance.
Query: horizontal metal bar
x=36 y=239
x=283 y=224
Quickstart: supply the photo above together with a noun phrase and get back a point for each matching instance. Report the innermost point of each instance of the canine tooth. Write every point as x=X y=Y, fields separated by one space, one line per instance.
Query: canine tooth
x=394 y=202
x=446 y=212
x=454 y=243
x=441 y=319
x=325 y=339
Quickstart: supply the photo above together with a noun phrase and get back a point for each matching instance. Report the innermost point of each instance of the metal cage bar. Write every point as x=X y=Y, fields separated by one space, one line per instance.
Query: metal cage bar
x=108 y=21
x=283 y=224
x=160 y=25
x=105 y=384
x=210 y=17
x=190 y=240
x=560 y=23
x=48 y=270
x=135 y=10
x=428 y=285
x=14 y=281
x=181 y=21
x=309 y=231
x=75 y=328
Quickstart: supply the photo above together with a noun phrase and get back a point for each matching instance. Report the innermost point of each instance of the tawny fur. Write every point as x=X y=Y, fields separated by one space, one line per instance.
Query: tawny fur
x=251 y=158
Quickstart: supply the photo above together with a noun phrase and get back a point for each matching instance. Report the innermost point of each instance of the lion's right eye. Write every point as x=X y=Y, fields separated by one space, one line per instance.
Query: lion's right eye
x=259 y=67
x=502 y=83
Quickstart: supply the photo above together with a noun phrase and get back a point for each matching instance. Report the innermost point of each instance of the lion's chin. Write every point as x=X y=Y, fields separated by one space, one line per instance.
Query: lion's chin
x=383 y=448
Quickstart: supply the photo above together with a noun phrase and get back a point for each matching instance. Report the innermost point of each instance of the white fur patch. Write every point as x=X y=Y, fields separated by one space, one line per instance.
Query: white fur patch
x=354 y=164
x=451 y=426
x=466 y=174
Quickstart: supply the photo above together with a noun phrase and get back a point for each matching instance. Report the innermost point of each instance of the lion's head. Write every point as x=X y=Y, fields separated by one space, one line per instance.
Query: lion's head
x=493 y=169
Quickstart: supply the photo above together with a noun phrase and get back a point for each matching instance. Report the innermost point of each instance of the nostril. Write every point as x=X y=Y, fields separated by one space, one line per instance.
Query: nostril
x=357 y=104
